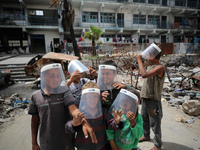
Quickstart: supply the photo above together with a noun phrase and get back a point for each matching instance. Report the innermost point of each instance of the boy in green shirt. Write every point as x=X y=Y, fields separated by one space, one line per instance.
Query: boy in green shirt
x=129 y=136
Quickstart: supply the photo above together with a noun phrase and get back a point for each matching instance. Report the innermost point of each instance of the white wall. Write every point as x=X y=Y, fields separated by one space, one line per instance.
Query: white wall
x=48 y=36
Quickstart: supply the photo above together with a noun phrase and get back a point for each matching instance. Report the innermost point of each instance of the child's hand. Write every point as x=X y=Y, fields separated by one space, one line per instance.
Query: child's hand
x=104 y=95
x=77 y=120
x=74 y=75
x=131 y=118
x=92 y=71
x=117 y=115
x=119 y=85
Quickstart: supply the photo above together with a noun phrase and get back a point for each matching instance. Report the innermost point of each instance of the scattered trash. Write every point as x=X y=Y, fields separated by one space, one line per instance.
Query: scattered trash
x=10 y=106
x=180 y=119
x=190 y=121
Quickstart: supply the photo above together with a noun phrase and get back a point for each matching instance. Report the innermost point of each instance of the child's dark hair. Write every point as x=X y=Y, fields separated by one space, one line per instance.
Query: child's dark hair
x=109 y=62
x=134 y=92
x=159 y=54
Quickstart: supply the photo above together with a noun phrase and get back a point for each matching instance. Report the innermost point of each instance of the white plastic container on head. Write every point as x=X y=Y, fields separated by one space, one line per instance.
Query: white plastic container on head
x=77 y=65
x=151 y=51
x=125 y=101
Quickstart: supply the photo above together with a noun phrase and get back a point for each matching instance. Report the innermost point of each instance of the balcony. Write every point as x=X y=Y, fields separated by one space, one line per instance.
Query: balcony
x=169 y=3
x=29 y=20
x=103 y=23
x=130 y=24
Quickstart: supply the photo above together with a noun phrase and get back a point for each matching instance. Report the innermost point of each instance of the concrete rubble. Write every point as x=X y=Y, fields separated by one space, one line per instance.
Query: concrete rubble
x=10 y=106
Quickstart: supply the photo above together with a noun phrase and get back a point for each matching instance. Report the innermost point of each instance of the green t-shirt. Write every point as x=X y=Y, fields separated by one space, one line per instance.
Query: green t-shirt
x=128 y=137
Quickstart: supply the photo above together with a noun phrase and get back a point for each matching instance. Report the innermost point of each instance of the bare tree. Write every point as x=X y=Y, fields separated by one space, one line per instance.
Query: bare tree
x=67 y=22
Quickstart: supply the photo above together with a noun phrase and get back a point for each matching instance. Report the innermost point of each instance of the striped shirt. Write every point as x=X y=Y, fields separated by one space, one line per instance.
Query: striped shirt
x=99 y=126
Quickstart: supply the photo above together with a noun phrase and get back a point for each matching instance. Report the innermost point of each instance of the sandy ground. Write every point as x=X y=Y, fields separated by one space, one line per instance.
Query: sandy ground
x=16 y=134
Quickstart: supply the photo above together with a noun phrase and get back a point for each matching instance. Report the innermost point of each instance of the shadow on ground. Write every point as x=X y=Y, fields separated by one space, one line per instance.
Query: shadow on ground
x=21 y=88
x=174 y=146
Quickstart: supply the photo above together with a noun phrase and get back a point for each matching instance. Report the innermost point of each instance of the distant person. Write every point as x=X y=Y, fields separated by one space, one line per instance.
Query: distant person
x=151 y=91
x=51 y=108
x=62 y=47
x=51 y=46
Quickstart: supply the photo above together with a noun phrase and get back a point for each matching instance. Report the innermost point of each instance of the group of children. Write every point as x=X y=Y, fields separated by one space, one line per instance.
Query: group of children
x=65 y=112
x=110 y=121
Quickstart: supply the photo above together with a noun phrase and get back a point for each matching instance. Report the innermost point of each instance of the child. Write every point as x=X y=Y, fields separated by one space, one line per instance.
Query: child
x=151 y=91
x=76 y=82
x=96 y=116
x=128 y=137
x=51 y=108
x=109 y=76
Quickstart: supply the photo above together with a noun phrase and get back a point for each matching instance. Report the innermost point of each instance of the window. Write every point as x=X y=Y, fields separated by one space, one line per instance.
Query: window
x=154 y=1
x=179 y=2
x=25 y=43
x=108 y=35
x=153 y=36
x=139 y=1
x=151 y=19
x=90 y=17
x=14 y=43
x=192 y=3
x=140 y=18
x=36 y=12
x=108 y=17
x=13 y=13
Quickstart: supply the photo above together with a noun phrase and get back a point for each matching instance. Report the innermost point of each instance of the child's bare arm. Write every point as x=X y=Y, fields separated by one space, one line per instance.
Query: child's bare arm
x=117 y=115
x=113 y=146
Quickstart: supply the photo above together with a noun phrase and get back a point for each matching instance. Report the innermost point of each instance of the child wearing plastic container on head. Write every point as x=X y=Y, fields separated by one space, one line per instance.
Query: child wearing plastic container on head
x=97 y=117
x=51 y=107
x=110 y=83
x=128 y=137
x=76 y=81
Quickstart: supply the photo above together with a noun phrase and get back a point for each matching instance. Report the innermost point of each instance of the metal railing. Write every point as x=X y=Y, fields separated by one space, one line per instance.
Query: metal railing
x=106 y=23
x=170 y=3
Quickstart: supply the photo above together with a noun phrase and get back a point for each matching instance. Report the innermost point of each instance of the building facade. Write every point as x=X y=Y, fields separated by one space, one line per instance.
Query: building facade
x=34 y=24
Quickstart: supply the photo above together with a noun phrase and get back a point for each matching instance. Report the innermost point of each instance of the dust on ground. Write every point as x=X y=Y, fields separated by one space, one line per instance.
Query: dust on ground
x=16 y=133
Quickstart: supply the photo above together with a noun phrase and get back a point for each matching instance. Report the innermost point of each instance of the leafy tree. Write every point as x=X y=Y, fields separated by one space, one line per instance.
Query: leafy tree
x=93 y=35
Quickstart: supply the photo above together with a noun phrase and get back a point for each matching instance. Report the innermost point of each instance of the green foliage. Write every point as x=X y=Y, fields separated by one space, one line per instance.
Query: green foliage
x=94 y=33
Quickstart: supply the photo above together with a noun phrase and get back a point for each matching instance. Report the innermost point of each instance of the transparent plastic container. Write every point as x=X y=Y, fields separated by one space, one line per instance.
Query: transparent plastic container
x=77 y=65
x=151 y=51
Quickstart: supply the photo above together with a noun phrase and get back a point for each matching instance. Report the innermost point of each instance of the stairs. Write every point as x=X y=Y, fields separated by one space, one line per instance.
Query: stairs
x=17 y=72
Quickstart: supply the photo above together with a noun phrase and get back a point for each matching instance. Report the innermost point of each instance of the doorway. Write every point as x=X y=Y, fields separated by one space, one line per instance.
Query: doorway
x=37 y=43
x=56 y=43
x=164 y=22
x=163 y=38
x=120 y=20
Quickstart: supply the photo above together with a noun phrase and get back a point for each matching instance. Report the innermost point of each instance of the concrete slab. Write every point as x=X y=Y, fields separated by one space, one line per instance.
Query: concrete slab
x=18 y=59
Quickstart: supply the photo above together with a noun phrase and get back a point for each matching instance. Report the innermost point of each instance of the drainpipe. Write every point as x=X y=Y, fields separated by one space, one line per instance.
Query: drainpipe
x=21 y=11
x=154 y=24
x=121 y=24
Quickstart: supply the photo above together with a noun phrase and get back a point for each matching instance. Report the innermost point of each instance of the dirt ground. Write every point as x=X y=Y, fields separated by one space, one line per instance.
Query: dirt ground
x=16 y=134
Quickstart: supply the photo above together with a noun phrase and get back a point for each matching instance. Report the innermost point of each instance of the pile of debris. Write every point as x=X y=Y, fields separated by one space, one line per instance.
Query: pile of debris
x=182 y=88
x=11 y=106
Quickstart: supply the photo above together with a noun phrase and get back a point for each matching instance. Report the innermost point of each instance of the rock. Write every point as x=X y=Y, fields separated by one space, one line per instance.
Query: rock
x=27 y=50
x=20 y=50
x=8 y=102
x=191 y=107
x=14 y=51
